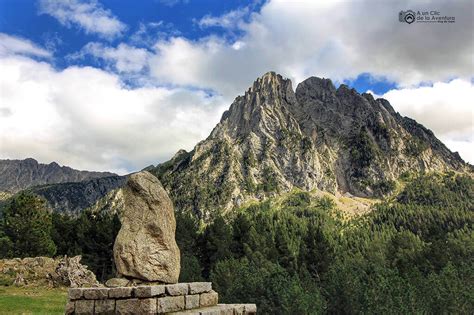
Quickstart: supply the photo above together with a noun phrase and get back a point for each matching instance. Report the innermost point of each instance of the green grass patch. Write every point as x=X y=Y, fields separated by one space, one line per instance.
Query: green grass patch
x=15 y=300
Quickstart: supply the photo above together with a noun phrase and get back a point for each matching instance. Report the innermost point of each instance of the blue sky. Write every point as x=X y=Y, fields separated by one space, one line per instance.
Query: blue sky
x=118 y=85
x=24 y=19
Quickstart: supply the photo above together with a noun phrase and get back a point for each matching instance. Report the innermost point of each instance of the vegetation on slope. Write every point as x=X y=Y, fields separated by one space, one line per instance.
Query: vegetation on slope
x=410 y=255
x=296 y=255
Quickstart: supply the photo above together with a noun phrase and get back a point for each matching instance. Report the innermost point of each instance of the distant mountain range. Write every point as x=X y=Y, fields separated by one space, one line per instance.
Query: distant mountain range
x=17 y=175
x=271 y=140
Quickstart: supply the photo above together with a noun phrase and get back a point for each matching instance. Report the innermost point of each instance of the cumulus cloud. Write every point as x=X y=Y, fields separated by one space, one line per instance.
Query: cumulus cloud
x=325 y=38
x=148 y=33
x=123 y=58
x=228 y=20
x=90 y=16
x=10 y=45
x=445 y=108
x=84 y=117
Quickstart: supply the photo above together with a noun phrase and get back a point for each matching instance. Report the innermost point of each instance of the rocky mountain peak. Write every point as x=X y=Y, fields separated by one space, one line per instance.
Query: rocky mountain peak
x=267 y=98
x=273 y=139
x=270 y=84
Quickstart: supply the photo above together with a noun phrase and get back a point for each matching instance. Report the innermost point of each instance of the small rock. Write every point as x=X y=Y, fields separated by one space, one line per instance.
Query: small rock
x=117 y=282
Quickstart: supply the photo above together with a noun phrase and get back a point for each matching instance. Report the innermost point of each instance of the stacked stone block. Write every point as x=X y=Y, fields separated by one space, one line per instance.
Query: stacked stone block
x=185 y=298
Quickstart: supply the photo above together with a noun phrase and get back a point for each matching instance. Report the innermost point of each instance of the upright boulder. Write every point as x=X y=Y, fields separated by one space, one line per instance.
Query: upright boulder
x=145 y=247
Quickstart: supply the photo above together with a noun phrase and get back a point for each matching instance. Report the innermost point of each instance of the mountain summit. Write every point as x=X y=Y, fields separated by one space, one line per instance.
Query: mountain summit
x=273 y=139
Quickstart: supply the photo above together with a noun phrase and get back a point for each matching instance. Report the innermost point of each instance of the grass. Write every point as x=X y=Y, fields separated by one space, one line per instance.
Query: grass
x=14 y=300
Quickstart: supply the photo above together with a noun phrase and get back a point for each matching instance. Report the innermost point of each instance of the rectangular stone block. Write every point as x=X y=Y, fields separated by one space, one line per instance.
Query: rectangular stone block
x=177 y=289
x=221 y=309
x=121 y=292
x=239 y=309
x=75 y=293
x=250 y=309
x=128 y=306
x=147 y=306
x=69 y=309
x=84 y=307
x=191 y=301
x=170 y=304
x=96 y=293
x=104 y=307
x=135 y=306
x=244 y=309
x=149 y=291
x=199 y=287
x=208 y=299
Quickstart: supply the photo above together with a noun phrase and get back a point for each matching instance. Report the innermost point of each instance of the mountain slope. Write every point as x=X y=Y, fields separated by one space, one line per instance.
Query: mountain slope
x=16 y=175
x=273 y=139
x=96 y=194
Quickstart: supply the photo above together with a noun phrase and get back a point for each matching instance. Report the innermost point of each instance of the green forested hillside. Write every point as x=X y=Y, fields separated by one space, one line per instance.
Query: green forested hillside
x=296 y=254
x=412 y=254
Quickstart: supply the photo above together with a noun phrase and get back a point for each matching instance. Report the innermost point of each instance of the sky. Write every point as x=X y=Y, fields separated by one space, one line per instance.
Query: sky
x=119 y=85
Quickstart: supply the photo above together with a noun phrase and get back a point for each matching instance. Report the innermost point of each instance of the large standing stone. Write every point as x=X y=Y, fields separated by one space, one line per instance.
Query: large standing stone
x=145 y=247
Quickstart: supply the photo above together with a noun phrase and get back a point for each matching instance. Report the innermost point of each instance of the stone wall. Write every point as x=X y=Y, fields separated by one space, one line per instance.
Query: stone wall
x=181 y=298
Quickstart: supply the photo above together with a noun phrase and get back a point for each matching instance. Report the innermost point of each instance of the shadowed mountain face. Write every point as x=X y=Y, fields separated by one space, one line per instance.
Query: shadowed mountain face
x=273 y=139
x=16 y=175
x=97 y=194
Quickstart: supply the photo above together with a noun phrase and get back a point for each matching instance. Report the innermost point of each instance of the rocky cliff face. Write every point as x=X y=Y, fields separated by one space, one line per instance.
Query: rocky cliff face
x=16 y=175
x=98 y=194
x=273 y=139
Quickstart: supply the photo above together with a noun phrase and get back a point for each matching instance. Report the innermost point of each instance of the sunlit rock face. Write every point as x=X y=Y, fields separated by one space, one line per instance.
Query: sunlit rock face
x=273 y=139
x=145 y=247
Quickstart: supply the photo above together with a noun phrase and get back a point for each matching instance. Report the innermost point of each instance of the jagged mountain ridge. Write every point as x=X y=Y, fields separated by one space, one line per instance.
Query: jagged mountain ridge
x=273 y=139
x=17 y=175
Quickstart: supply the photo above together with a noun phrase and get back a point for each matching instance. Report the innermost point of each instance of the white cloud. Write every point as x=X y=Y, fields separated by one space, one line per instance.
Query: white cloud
x=85 y=118
x=88 y=15
x=148 y=33
x=123 y=58
x=228 y=20
x=10 y=45
x=336 y=39
x=445 y=108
